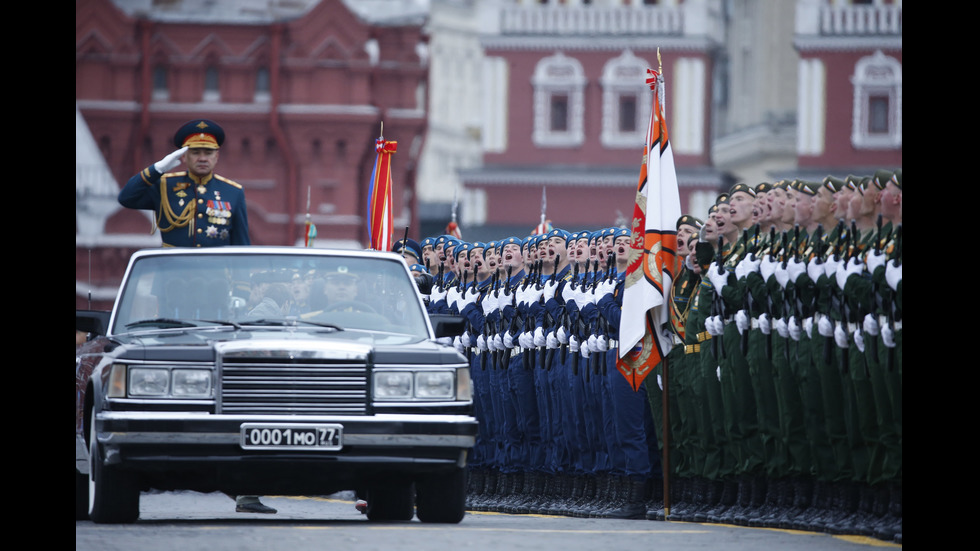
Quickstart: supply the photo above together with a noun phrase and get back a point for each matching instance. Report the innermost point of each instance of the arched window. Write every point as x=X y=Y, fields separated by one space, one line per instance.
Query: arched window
x=877 y=117
x=559 y=105
x=161 y=87
x=626 y=101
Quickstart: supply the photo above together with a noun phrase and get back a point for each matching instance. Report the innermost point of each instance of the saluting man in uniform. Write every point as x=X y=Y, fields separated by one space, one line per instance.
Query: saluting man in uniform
x=194 y=208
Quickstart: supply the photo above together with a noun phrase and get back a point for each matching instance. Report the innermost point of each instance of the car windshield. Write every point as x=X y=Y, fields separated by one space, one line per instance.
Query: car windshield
x=370 y=293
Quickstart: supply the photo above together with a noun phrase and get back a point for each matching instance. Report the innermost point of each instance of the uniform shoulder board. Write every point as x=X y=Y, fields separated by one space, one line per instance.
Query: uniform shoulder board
x=227 y=181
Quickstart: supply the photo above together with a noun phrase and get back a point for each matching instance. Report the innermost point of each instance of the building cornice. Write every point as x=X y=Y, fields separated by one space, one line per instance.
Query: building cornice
x=847 y=43
x=602 y=44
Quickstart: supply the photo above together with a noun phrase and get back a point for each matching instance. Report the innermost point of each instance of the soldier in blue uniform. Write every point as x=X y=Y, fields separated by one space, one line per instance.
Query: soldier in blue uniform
x=196 y=207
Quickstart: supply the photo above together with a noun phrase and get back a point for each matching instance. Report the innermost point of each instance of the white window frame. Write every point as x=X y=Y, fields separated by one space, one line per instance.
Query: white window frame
x=877 y=75
x=559 y=75
x=625 y=75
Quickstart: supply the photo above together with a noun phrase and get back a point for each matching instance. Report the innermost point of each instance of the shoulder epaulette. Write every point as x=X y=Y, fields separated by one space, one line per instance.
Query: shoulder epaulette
x=227 y=181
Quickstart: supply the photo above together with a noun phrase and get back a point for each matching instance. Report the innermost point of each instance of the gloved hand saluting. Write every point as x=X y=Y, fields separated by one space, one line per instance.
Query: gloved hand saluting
x=170 y=161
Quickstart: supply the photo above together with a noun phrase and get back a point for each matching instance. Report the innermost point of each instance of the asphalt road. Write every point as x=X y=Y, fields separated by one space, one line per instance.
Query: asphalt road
x=189 y=521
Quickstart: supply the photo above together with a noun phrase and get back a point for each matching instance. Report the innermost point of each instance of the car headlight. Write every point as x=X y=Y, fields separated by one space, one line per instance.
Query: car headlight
x=162 y=382
x=148 y=381
x=192 y=383
x=408 y=385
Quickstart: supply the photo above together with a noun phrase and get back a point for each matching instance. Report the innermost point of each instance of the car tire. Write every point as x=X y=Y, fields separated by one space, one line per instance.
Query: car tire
x=391 y=502
x=442 y=498
x=81 y=496
x=113 y=495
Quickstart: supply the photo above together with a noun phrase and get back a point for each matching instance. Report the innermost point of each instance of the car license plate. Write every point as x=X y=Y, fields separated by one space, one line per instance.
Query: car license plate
x=258 y=436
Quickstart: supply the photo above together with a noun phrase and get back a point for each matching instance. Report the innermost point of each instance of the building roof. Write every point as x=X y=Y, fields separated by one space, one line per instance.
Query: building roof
x=259 y=12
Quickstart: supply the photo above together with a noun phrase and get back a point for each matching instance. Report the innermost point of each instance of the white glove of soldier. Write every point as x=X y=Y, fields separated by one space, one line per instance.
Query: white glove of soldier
x=859 y=339
x=718 y=278
x=605 y=287
x=831 y=266
x=709 y=325
x=458 y=345
x=874 y=260
x=888 y=336
x=825 y=326
x=498 y=342
x=871 y=325
x=169 y=162
x=549 y=290
x=764 y=324
x=893 y=274
x=601 y=344
x=718 y=371
x=840 y=336
x=573 y=344
x=505 y=299
x=593 y=347
x=780 y=325
x=466 y=340
x=437 y=294
x=795 y=269
x=853 y=267
x=767 y=267
x=508 y=340
x=782 y=275
x=561 y=335
x=794 y=329
x=742 y=321
x=489 y=303
x=747 y=265
x=539 y=338
x=808 y=326
x=533 y=294
x=525 y=340
x=551 y=341
x=815 y=268
x=660 y=382
x=481 y=343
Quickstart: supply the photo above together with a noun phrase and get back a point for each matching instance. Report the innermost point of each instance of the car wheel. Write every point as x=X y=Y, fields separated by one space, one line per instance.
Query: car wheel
x=81 y=496
x=442 y=498
x=113 y=496
x=394 y=501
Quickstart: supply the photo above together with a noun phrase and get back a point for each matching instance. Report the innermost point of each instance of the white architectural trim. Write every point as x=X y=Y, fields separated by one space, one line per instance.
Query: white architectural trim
x=559 y=75
x=625 y=76
x=877 y=75
x=812 y=108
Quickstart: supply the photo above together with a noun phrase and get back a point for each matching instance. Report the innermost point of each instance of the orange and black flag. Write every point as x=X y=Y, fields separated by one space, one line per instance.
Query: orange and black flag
x=644 y=337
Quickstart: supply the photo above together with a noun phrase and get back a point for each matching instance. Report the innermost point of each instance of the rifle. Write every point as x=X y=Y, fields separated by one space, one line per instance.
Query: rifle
x=747 y=300
x=772 y=252
x=566 y=319
x=549 y=352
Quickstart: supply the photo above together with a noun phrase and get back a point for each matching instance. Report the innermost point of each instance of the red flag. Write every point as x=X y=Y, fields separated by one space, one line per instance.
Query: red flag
x=379 y=196
x=644 y=338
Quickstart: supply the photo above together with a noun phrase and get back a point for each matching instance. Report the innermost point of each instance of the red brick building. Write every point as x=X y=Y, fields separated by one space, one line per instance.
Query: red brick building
x=302 y=96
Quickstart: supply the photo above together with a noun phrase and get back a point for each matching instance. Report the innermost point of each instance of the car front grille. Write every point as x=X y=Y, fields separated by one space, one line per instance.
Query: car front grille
x=291 y=383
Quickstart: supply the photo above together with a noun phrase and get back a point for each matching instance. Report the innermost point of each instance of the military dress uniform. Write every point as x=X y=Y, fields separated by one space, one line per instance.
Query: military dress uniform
x=191 y=211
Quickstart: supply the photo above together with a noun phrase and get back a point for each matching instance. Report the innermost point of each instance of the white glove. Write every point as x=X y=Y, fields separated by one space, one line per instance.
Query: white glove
x=489 y=303
x=569 y=292
x=831 y=265
x=767 y=267
x=782 y=275
x=764 y=324
x=815 y=268
x=825 y=327
x=808 y=326
x=453 y=296
x=853 y=267
x=719 y=280
x=795 y=269
x=893 y=275
x=749 y=264
x=458 y=345
x=170 y=161
x=539 y=338
x=467 y=297
x=780 y=325
x=498 y=342
x=481 y=343
x=660 y=382
x=584 y=350
x=742 y=321
x=859 y=339
x=437 y=294
x=549 y=290
x=709 y=325
x=533 y=294
x=605 y=287
x=888 y=336
x=525 y=340
x=871 y=325
x=840 y=336
x=874 y=260
x=593 y=347
x=505 y=299
x=794 y=329
x=551 y=341
x=718 y=371
x=561 y=335
x=573 y=344
x=601 y=343
x=508 y=340
x=466 y=340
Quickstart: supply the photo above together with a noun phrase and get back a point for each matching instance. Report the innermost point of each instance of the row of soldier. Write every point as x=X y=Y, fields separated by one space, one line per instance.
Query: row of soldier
x=784 y=396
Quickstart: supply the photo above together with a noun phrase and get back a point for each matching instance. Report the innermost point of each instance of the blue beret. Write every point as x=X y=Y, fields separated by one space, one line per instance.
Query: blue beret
x=428 y=242
x=417 y=268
